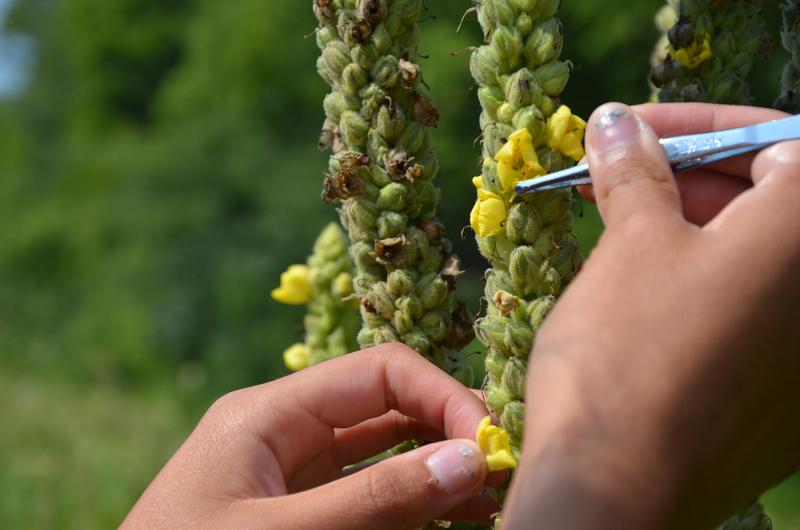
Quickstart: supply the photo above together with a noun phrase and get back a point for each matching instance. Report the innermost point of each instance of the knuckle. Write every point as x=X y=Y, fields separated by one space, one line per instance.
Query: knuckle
x=389 y=498
x=630 y=168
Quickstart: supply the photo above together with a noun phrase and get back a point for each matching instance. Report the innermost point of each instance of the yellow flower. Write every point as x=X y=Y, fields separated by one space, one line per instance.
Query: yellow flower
x=565 y=133
x=343 y=285
x=494 y=443
x=297 y=357
x=696 y=53
x=488 y=215
x=295 y=286
x=517 y=160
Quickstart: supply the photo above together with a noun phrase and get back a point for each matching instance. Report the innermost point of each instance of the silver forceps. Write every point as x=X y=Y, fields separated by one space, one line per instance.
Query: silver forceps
x=686 y=152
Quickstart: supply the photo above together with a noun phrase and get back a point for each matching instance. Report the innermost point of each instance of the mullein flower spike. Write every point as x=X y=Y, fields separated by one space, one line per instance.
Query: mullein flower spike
x=325 y=286
x=381 y=176
x=789 y=100
x=527 y=240
x=708 y=51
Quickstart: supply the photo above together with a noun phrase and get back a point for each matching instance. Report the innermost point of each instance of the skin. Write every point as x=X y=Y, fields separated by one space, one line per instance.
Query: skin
x=272 y=456
x=664 y=390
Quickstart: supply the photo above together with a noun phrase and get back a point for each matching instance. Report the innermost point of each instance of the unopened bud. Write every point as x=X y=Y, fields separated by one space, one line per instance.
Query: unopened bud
x=539 y=309
x=393 y=197
x=336 y=56
x=507 y=42
x=354 y=129
x=495 y=366
x=530 y=118
x=401 y=282
x=513 y=419
x=410 y=305
x=390 y=122
x=391 y=224
x=553 y=77
x=544 y=43
x=432 y=291
x=379 y=300
x=417 y=341
x=386 y=72
x=354 y=78
x=491 y=98
x=496 y=400
x=518 y=338
x=522 y=88
x=485 y=66
x=414 y=138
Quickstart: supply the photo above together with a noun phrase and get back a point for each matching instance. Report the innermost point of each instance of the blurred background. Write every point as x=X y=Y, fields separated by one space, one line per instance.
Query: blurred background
x=158 y=170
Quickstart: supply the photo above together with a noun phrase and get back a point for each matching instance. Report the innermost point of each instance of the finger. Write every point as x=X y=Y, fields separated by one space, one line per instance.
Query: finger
x=377 y=435
x=765 y=218
x=704 y=193
x=629 y=168
x=401 y=493
x=349 y=390
x=676 y=119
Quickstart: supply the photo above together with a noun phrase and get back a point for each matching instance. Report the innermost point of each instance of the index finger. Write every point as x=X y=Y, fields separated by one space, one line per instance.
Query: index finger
x=355 y=388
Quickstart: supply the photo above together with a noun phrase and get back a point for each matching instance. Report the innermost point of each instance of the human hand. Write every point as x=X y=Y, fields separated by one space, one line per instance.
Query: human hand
x=705 y=191
x=664 y=389
x=271 y=456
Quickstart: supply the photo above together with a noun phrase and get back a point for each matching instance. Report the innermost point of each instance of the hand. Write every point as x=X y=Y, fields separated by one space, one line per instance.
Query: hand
x=705 y=191
x=664 y=389
x=272 y=456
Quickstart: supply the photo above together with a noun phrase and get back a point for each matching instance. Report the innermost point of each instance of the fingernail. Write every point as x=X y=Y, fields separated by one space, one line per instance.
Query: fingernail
x=456 y=467
x=615 y=128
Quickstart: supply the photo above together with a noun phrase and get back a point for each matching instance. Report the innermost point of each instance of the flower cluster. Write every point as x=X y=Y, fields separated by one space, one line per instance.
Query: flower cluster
x=517 y=161
x=325 y=286
x=381 y=177
x=527 y=132
x=708 y=50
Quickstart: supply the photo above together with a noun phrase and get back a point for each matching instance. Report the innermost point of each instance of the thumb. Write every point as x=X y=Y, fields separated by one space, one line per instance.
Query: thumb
x=630 y=171
x=401 y=493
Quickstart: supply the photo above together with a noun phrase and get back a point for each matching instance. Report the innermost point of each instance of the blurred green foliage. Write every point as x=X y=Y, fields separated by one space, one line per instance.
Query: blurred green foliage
x=156 y=176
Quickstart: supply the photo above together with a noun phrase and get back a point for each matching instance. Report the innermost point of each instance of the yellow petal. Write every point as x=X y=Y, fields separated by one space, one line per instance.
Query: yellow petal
x=297 y=357
x=557 y=126
x=473 y=217
x=506 y=154
x=295 y=286
x=477 y=182
x=488 y=216
x=495 y=445
x=572 y=147
x=508 y=175
x=696 y=53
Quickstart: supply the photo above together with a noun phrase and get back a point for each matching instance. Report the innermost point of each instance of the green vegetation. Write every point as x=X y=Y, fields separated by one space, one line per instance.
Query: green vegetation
x=157 y=175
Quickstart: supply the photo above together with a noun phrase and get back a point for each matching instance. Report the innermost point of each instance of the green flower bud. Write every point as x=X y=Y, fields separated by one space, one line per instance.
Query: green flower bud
x=553 y=77
x=428 y=199
x=390 y=123
x=401 y=282
x=523 y=224
x=393 y=197
x=507 y=43
x=361 y=213
x=485 y=65
x=513 y=420
x=496 y=400
x=491 y=332
x=417 y=341
x=524 y=23
x=410 y=305
x=384 y=335
x=382 y=39
x=531 y=118
x=491 y=98
x=336 y=57
x=379 y=300
x=518 y=338
x=377 y=146
x=325 y=35
x=354 y=78
x=495 y=137
x=544 y=43
x=432 y=290
x=495 y=366
x=414 y=137
x=354 y=129
x=365 y=55
x=386 y=72
x=513 y=380
x=522 y=88
x=553 y=206
x=505 y=113
x=525 y=268
x=538 y=311
x=435 y=325
x=402 y=322
x=391 y=224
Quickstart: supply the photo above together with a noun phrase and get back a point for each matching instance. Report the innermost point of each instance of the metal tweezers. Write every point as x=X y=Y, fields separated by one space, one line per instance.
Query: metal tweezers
x=686 y=152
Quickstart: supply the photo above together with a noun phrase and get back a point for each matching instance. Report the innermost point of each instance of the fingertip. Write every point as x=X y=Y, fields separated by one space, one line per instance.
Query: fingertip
x=457 y=467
